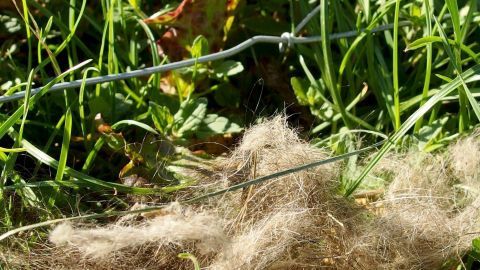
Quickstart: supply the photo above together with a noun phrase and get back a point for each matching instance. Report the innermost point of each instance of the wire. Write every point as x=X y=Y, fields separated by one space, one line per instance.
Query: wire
x=286 y=39
x=306 y=19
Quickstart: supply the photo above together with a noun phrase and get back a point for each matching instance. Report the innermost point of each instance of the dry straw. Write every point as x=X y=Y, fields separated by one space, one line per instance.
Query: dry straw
x=426 y=216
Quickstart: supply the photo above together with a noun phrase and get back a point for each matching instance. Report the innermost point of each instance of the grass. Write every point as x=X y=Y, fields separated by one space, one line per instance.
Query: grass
x=415 y=84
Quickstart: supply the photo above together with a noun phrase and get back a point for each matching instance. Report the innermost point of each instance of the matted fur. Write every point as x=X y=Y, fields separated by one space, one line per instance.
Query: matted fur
x=297 y=221
x=172 y=226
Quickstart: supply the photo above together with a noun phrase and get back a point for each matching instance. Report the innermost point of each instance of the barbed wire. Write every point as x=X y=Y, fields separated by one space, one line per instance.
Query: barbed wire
x=285 y=40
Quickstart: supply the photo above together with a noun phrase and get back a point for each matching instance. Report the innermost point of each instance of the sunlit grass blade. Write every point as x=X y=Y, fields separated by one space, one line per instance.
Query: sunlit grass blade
x=428 y=40
x=29 y=35
x=13 y=156
x=472 y=8
x=470 y=75
x=428 y=68
x=155 y=57
x=19 y=112
x=396 y=97
x=112 y=63
x=134 y=123
x=81 y=102
x=8 y=168
x=329 y=76
x=64 y=28
x=49 y=142
x=464 y=117
x=93 y=182
x=358 y=40
x=67 y=133
x=87 y=165
x=463 y=89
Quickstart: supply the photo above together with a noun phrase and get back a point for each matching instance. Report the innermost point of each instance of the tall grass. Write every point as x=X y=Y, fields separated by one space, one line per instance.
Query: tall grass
x=409 y=72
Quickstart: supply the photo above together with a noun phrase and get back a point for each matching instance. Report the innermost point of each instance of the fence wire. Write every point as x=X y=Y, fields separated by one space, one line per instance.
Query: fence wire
x=285 y=40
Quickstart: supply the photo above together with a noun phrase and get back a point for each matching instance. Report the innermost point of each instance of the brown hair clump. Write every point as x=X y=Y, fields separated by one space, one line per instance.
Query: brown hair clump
x=425 y=218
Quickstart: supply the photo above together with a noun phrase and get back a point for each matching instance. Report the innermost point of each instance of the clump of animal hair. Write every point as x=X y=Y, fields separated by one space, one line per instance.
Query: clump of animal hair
x=421 y=225
x=465 y=160
x=173 y=226
x=273 y=215
x=298 y=220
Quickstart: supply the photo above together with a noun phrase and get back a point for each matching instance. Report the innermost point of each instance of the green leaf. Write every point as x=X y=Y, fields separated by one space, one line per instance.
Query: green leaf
x=456 y=57
x=86 y=179
x=427 y=134
x=134 y=123
x=226 y=95
x=199 y=47
x=214 y=124
x=227 y=68
x=189 y=116
x=423 y=41
x=455 y=16
x=476 y=245
x=115 y=141
x=134 y=3
x=161 y=116
x=67 y=134
x=444 y=78
x=300 y=87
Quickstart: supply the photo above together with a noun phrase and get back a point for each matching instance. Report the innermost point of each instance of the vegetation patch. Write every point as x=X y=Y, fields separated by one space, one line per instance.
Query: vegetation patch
x=139 y=134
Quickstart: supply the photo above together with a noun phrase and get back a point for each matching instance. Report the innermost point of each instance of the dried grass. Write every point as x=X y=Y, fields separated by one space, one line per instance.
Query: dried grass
x=297 y=221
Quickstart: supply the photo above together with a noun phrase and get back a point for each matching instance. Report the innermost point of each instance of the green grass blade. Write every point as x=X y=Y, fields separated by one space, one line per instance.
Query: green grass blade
x=426 y=41
x=464 y=91
x=67 y=133
x=470 y=75
x=4 y=128
x=51 y=137
x=452 y=5
x=135 y=123
x=455 y=17
x=92 y=181
x=8 y=170
x=93 y=154
x=153 y=48
x=468 y=20
x=29 y=35
x=428 y=68
x=10 y=162
x=358 y=40
x=330 y=79
x=111 y=56
x=81 y=102
x=396 y=90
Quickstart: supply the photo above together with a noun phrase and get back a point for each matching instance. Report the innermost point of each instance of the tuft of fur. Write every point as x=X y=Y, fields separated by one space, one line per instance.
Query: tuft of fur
x=297 y=221
x=272 y=216
x=421 y=224
x=465 y=158
x=173 y=226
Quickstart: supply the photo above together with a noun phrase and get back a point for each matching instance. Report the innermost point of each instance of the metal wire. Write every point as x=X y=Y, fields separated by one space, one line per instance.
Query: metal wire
x=287 y=39
x=306 y=20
